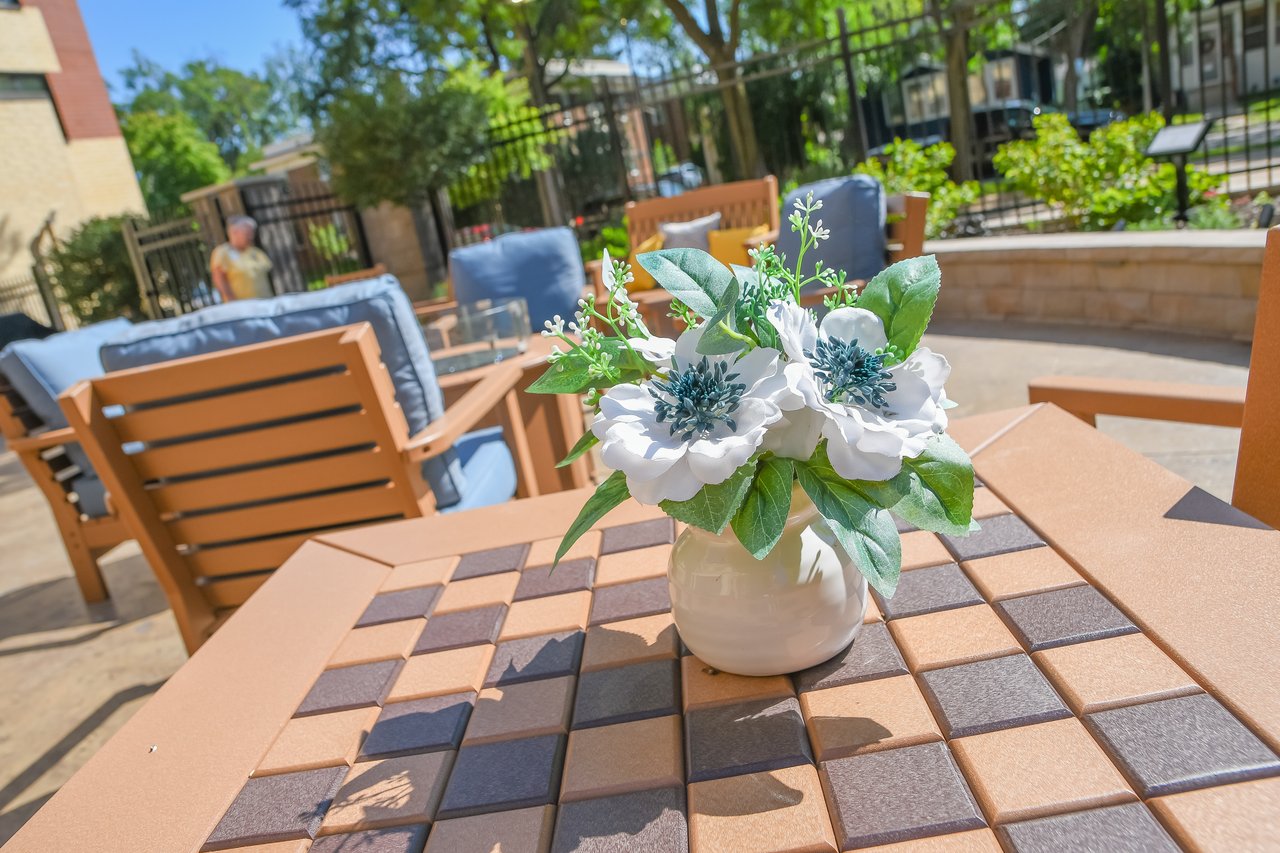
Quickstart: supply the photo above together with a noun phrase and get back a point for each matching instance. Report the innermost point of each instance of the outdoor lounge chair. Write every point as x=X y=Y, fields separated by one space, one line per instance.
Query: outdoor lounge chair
x=32 y=373
x=224 y=463
x=1254 y=409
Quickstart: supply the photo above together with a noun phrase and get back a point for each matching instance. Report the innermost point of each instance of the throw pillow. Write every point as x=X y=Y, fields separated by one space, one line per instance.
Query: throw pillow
x=641 y=278
x=728 y=245
x=691 y=234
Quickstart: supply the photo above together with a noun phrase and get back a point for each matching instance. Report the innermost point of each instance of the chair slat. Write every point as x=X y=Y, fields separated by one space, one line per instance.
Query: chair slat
x=233 y=592
x=259 y=405
x=249 y=557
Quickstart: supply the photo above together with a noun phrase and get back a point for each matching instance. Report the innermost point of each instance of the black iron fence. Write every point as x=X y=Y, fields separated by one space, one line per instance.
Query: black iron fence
x=307 y=231
x=21 y=295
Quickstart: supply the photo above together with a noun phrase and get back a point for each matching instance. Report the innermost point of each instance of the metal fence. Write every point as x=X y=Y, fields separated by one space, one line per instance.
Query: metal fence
x=307 y=231
x=21 y=295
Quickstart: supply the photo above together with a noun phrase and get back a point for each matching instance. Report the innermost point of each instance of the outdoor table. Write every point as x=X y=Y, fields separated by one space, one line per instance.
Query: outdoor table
x=1100 y=662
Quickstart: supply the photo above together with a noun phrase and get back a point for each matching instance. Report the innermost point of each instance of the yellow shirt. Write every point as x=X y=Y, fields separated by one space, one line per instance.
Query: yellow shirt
x=246 y=271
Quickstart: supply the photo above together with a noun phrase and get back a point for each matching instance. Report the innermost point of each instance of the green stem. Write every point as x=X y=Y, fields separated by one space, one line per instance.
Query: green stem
x=738 y=336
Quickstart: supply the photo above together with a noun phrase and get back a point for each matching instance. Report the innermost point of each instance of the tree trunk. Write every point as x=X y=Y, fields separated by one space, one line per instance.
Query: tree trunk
x=1077 y=41
x=743 y=146
x=961 y=112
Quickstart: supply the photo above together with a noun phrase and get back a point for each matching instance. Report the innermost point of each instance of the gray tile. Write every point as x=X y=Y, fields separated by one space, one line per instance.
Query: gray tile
x=1000 y=534
x=1064 y=616
x=629 y=600
x=929 y=590
x=642 y=534
x=399 y=839
x=898 y=795
x=509 y=774
x=904 y=526
x=746 y=737
x=544 y=656
x=871 y=655
x=491 y=562
x=633 y=692
x=643 y=822
x=1118 y=829
x=1181 y=744
x=569 y=576
x=360 y=686
x=461 y=628
x=992 y=694
x=419 y=725
x=402 y=604
x=277 y=808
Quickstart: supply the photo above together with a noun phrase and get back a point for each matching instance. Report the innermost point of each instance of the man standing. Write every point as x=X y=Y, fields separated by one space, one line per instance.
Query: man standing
x=240 y=269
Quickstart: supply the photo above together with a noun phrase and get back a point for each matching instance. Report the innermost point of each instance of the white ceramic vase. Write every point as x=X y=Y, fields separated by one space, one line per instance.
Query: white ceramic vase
x=797 y=607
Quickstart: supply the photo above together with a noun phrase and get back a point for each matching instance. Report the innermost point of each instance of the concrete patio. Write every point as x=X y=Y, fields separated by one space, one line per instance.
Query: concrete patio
x=73 y=674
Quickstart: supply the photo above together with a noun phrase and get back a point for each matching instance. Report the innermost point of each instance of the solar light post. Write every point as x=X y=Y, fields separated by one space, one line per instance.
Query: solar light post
x=1178 y=142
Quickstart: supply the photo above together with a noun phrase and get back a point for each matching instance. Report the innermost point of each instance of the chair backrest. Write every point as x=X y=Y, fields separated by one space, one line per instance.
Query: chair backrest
x=742 y=204
x=543 y=267
x=1258 y=466
x=223 y=464
x=54 y=472
x=375 y=271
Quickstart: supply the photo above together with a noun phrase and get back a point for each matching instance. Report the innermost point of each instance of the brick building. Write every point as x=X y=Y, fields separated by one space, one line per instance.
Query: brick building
x=61 y=151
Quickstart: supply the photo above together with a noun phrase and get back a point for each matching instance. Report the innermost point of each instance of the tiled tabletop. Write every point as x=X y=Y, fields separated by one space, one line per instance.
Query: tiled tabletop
x=1087 y=673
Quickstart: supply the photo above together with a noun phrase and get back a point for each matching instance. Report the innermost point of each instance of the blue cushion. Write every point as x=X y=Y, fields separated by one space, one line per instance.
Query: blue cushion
x=542 y=267
x=380 y=302
x=92 y=494
x=490 y=470
x=853 y=210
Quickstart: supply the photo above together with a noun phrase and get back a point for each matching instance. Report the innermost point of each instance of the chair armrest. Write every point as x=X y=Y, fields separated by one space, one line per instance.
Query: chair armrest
x=43 y=441
x=463 y=415
x=433 y=308
x=1086 y=396
x=761 y=239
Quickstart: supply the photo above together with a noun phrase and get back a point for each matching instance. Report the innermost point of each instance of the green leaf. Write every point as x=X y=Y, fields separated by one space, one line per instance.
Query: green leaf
x=934 y=491
x=570 y=375
x=715 y=340
x=865 y=531
x=758 y=523
x=690 y=275
x=608 y=495
x=583 y=444
x=903 y=296
x=713 y=506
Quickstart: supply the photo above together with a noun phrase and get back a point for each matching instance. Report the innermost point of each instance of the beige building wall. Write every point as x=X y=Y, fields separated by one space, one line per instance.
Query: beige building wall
x=104 y=176
x=25 y=46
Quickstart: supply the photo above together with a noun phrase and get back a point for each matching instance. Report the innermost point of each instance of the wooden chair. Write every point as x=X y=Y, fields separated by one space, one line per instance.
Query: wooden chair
x=42 y=454
x=741 y=204
x=1255 y=409
x=359 y=275
x=248 y=452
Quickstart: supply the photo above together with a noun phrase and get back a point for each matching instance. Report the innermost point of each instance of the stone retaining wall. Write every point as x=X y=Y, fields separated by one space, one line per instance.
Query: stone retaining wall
x=1197 y=282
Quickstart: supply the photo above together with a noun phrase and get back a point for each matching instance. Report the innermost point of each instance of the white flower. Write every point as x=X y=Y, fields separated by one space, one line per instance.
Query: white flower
x=671 y=436
x=871 y=415
x=656 y=351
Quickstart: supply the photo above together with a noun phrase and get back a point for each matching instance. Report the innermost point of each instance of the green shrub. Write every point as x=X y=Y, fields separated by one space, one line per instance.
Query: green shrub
x=908 y=166
x=93 y=272
x=1100 y=182
x=611 y=237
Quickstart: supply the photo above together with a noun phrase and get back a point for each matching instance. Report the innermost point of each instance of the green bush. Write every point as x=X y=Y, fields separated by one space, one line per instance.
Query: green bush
x=93 y=272
x=908 y=166
x=1100 y=182
x=611 y=237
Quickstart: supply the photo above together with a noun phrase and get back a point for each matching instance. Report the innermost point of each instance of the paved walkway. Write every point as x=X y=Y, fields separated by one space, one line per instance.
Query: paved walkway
x=72 y=675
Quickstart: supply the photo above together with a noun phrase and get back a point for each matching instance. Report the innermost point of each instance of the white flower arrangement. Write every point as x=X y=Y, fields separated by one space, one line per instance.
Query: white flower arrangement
x=757 y=394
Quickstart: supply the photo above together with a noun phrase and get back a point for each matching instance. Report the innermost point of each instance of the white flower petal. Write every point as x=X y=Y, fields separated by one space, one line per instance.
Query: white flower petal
x=795 y=327
x=796 y=436
x=675 y=484
x=657 y=351
x=686 y=349
x=755 y=367
x=854 y=464
x=626 y=402
x=854 y=324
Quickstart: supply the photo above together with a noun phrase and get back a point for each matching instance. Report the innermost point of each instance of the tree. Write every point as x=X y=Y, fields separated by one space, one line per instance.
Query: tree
x=94 y=274
x=171 y=156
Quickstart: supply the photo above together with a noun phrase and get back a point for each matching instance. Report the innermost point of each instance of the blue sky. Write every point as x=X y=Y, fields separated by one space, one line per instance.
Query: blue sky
x=238 y=33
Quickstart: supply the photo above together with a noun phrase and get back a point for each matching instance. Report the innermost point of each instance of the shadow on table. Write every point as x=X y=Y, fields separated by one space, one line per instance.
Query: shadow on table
x=1199 y=505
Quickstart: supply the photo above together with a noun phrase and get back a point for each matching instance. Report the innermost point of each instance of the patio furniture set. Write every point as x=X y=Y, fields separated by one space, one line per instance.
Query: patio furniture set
x=396 y=666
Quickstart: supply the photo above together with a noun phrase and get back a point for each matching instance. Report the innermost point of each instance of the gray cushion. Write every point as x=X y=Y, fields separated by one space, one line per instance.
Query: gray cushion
x=542 y=267
x=380 y=302
x=92 y=494
x=853 y=209
x=690 y=235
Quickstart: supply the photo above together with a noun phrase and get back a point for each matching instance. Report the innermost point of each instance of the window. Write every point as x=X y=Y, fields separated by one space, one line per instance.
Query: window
x=22 y=86
x=1255 y=28
x=8 y=4
x=1002 y=79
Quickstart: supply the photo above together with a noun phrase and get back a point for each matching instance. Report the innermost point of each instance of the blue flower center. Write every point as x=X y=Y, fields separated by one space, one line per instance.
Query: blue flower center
x=851 y=373
x=697 y=397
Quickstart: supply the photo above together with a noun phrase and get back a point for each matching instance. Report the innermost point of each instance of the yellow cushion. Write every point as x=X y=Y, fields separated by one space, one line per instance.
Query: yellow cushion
x=643 y=281
x=728 y=244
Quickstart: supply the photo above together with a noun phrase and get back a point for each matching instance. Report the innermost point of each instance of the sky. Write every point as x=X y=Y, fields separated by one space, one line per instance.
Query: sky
x=237 y=33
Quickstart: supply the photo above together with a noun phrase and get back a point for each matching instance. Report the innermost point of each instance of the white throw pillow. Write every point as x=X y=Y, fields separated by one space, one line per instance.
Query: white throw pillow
x=691 y=234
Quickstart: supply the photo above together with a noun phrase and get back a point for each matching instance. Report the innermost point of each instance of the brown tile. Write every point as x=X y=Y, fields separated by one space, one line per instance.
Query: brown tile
x=973 y=841
x=1113 y=672
x=519 y=831
x=377 y=642
x=546 y=615
x=392 y=792
x=873 y=613
x=640 y=534
x=422 y=573
x=623 y=757
x=921 y=548
x=299 y=846
x=437 y=673
x=986 y=504
x=509 y=558
x=324 y=740
x=704 y=685
x=777 y=811
x=952 y=636
x=867 y=716
x=283 y=807
x=543 y=552
x=637 y=565
x=478 y=592
x=522 y=710
x=1039 y=770
x=1021 y=573
x=631 y=641
x=1226 y=819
